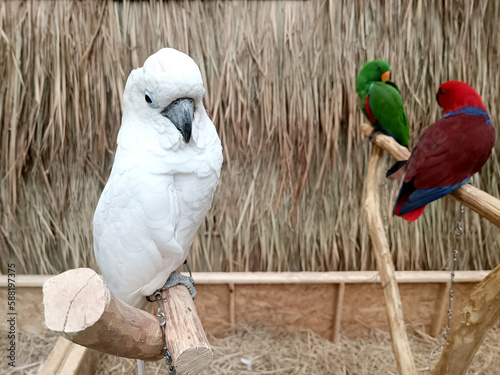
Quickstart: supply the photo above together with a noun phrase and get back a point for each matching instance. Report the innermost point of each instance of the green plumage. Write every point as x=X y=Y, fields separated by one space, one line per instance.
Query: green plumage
x=383 y=100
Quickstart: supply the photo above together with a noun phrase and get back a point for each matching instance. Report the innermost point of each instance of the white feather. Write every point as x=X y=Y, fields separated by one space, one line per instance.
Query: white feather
x=160 y=187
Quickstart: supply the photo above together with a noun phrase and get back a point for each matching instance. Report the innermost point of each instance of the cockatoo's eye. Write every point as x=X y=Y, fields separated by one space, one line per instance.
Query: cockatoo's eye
x=150 y=99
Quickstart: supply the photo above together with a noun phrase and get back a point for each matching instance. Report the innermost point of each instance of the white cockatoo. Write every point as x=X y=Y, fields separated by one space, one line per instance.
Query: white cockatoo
x=166 y=169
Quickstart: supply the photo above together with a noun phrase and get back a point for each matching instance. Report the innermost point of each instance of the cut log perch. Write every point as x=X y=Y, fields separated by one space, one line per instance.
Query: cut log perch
x=82 y=309
x=477 y=200
x=400 y=344
x=470 y=327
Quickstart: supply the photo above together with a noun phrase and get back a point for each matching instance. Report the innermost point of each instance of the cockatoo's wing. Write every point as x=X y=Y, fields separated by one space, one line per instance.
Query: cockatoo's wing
x=134 y=233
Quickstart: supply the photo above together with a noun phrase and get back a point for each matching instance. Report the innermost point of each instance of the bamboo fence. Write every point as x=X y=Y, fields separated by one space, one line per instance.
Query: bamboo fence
x=280 y=80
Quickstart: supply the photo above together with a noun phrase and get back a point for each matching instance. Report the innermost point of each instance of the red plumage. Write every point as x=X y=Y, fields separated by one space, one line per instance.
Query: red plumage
x=449 y=151
x=368 y=110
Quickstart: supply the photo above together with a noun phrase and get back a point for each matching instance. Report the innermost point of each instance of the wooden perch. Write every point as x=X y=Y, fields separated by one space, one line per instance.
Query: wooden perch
x=470 y=327
x=400 y=344
x=81 y=308
x=387 y=143
x=477 y=200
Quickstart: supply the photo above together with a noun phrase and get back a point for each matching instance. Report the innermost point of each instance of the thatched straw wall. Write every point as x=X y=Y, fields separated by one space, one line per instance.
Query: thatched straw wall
x=280 y=89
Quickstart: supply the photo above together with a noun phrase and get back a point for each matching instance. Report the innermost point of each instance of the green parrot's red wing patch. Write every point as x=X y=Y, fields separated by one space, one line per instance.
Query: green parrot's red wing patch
x=368 y=110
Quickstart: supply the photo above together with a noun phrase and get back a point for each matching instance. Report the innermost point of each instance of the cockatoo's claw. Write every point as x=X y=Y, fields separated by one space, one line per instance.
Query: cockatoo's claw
x=177 y=278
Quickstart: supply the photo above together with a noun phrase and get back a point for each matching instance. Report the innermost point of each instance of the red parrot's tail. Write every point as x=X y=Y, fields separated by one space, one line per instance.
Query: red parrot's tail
x=404 y=195
x=413 y=215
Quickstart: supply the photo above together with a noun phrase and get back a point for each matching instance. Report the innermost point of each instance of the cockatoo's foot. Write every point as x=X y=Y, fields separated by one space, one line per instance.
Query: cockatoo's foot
x=177 y=278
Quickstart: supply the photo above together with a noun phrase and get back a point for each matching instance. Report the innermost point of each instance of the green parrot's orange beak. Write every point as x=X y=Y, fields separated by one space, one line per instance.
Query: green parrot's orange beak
x=386 y=76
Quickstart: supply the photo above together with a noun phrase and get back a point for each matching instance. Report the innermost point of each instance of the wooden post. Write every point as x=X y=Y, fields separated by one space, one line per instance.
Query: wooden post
x=81 y=308
x=400 y=345
x=232 y=304
x=337 y=319
x=441 y=313
x=469 y=328
x=67 y=358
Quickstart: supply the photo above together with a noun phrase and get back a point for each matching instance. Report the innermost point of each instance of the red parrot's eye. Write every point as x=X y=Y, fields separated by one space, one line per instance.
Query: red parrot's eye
x=439 y=93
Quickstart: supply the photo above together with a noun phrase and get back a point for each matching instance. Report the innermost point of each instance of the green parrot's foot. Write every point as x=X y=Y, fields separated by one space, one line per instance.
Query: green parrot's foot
x=373 y=135
x=397 y=170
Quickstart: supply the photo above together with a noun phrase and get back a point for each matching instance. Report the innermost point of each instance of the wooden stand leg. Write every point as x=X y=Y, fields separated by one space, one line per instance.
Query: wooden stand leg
x=400 y=345
x=469 y=328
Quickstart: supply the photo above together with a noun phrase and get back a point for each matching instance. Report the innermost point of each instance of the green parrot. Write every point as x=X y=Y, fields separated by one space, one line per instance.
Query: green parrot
x=381 y=101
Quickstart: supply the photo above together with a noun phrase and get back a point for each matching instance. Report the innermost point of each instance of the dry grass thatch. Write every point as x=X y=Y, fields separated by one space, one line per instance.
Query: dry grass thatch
x=271 y=350
x=280 y=82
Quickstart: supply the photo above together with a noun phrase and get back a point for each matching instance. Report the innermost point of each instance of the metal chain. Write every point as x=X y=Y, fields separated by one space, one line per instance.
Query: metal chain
x=163 y=321
x=454 y=266
x=458 y=233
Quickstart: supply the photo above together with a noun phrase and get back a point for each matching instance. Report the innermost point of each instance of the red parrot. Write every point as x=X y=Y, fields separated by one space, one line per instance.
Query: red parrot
x=449 y=152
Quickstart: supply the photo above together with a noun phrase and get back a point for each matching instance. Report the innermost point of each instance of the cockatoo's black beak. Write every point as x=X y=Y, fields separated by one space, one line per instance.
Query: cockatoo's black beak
x=181 y=112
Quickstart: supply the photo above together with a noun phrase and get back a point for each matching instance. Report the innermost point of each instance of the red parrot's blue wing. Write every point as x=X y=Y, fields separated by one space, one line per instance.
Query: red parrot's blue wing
x=411 y=199
x=449 y=152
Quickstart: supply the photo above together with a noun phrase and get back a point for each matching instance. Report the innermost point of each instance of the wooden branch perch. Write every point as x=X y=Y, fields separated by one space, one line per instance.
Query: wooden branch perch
x=470 y=327
x=81 y=308
x=400 y=344
x=482 y=311
x=477 y=200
